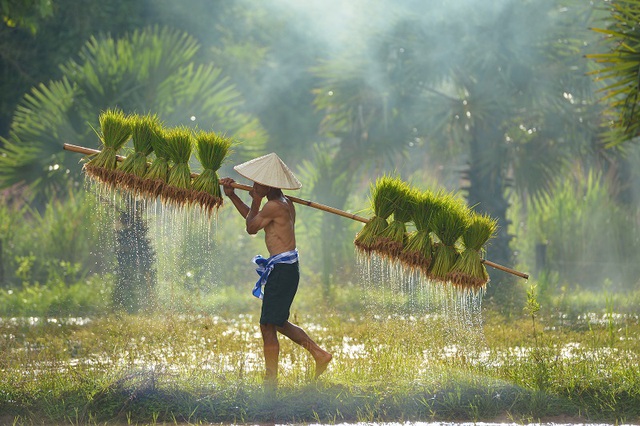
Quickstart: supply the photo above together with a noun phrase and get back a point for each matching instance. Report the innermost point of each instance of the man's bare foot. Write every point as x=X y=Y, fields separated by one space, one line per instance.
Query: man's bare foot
x=322 y=362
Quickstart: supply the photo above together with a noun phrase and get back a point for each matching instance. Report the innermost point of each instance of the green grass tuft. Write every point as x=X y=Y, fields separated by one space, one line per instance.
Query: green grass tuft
x=211 y=150
x=469 y=271
x=392 y=240
x=418 y=251
x=449 y=223
x=386 y=193
x=179 y=147
x=133 y=169
x=115 y=131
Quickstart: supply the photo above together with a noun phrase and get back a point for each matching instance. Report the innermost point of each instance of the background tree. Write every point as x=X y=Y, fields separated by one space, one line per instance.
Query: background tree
x=152 y=70
x=38 y=35
x=25 y=14
x=507 y=103
x=619 y=68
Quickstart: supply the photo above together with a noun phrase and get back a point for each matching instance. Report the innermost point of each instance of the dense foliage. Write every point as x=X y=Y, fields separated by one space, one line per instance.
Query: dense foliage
x=418 y=94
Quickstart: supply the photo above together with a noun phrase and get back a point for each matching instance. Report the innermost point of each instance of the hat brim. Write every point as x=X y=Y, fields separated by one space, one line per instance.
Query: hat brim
x=269 y=170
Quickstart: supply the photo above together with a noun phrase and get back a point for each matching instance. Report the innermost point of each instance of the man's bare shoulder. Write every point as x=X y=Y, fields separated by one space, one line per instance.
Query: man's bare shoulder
x=280 y=208
x=282 y=202
x=275 y=206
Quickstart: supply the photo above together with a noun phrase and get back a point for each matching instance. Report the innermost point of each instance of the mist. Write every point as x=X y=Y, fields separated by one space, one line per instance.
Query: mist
x=452 y=94
x=489 y=99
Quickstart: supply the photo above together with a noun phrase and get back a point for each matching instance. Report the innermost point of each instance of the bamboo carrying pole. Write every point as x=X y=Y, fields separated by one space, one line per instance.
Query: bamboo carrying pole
x=90 y=151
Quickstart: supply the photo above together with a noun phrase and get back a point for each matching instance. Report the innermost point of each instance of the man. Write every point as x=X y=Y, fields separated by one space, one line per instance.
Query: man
x=280 y=273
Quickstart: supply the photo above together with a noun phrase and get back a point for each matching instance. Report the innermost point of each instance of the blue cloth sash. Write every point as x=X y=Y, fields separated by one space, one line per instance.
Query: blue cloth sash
x=265 y=266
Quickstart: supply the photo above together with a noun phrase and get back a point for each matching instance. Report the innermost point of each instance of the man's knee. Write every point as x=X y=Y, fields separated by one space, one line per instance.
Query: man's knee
x=269 y=333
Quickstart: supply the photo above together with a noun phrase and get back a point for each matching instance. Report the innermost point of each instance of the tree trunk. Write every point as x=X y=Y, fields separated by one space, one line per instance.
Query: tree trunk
x=136 y=274
x=486 y=192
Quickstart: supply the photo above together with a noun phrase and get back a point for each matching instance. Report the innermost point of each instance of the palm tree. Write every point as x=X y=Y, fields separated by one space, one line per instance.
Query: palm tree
x=151 y=70
x=154 y=69
x=521 y=109
x=510 y=104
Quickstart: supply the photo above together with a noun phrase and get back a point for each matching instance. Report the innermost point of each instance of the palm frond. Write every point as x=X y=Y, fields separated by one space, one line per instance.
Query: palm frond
x=620 y=67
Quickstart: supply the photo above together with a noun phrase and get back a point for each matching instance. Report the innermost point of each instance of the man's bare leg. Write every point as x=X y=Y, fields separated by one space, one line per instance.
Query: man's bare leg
x=271 y=352
x=299 y=336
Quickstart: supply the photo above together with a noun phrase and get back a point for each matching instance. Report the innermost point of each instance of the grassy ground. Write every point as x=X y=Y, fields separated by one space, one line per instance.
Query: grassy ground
x=448 y=362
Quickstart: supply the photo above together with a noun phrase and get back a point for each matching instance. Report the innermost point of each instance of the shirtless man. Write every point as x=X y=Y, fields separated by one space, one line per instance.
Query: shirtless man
x=277 y=218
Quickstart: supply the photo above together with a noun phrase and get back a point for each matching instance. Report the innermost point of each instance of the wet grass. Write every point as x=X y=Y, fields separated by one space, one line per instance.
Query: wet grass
x=196 y=369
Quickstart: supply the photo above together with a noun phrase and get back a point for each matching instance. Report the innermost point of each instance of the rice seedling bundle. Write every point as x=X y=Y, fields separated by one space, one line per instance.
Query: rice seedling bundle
x=384 y=194
x=418 y=252
x=469 y=271
x=132 y=171
x=393 y=238
x=179 y=147
x=157 y=174
x=449 y=223
x=115 y=130
x=211 y=150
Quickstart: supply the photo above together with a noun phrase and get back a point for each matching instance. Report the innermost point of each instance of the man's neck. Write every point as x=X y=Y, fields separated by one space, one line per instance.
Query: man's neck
x=274 y=194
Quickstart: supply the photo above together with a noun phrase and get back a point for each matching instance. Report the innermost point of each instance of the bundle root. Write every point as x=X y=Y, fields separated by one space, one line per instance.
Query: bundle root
x=103 y=175
x=209 y=203
x=469 y=271
x=367 y=238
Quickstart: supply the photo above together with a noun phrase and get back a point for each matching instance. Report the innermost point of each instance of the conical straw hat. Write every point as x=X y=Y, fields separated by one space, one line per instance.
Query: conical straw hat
x=269 y=170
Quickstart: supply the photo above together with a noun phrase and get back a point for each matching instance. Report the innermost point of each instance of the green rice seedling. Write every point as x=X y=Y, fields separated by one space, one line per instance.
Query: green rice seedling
x=211 y=150
x=418 y=252
x=179 y=146
x=384 y=197
x=157 y=174
x=115 y=130
x=132 y=170
x=449 y=223
x=469 y=271
x=394 y=237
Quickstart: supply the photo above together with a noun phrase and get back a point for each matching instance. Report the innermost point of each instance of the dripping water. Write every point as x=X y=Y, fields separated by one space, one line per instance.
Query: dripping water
x=182 y=240
x=394 y=290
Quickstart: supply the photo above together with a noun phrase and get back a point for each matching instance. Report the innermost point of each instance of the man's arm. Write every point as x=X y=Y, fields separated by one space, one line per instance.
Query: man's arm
x=258 y=219
x=242 y=208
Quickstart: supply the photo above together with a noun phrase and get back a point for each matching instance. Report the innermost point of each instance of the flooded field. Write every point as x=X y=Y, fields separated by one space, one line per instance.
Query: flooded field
x=385 y=368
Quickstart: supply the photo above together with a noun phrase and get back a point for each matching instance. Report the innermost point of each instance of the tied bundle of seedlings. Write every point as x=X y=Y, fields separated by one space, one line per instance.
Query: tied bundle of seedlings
x=449 y=223
x=384 y=194
x=418 y=251
x=393 y=238
x=115 y=130
x=155 y=179
x=179 y=146
x=469 y=271
x=211 y=150
x=132 y=171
